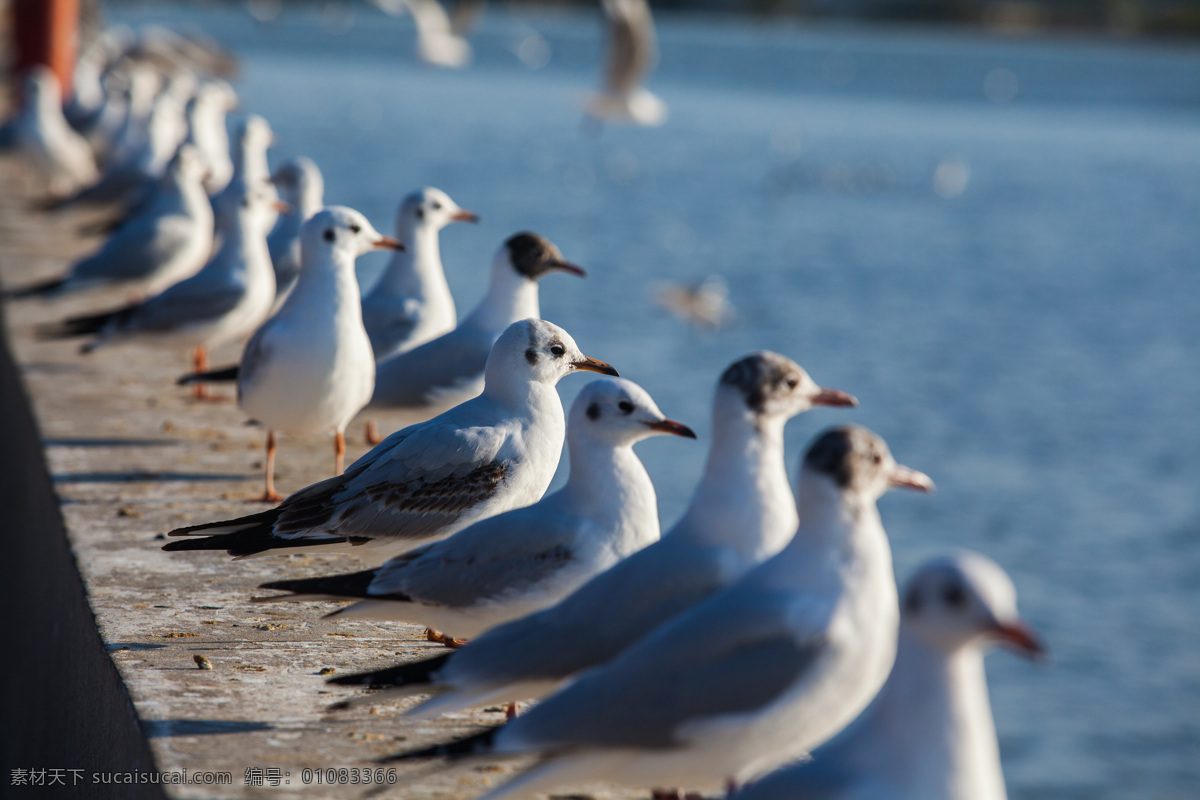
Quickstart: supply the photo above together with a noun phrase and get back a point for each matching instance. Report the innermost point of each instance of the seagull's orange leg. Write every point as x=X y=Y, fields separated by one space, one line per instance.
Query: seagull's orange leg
x=339 y=452
x=270 y=495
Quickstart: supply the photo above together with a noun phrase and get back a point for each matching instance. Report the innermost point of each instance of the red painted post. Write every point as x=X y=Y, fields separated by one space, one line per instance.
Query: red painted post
x=46 y=32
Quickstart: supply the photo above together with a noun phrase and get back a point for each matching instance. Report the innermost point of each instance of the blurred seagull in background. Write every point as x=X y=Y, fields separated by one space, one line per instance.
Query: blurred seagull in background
x=302 y=188
x=495 y=452
x=440 y=41
x=929 y=735
x=165 y=241
x=309 y=368
x=226 y=300
x=705 y=305
x=632 y=53
x=449 y=370
x=741 y=513
x=524 y=560
x=250 y=162
x=60 y=160
x=758 y=674
x=411 y=303
x=207 y=131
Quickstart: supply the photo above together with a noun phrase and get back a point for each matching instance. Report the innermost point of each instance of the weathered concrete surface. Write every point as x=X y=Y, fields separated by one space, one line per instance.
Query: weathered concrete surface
x=133 y=456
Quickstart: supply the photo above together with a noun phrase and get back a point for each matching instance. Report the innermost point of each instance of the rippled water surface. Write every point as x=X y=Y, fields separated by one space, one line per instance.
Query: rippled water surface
x=995 y=244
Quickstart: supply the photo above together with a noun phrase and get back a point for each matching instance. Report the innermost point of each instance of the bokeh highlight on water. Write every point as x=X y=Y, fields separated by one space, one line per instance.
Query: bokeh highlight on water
x=994 y=244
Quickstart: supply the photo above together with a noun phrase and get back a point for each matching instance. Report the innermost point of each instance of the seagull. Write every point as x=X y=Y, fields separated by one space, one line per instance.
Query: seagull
x=411 y=303
x=226 y=300
x=166 y=241
x=250 y=160
x=309 y=368
x=705 y=304
x=760 y=673
x=440 y=41
x=449 y=370
x=741 y=513
x=302 y=187
x=60 y=158
x=206 y=130
x=524 y=560
x=929 y=735
x=632 y=53
x=495 y=452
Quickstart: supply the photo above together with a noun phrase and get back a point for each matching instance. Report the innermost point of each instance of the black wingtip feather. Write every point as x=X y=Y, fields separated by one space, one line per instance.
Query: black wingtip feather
x=223 y=375
x=478 y=744
x=353 y=584
x=43 y=289
x=408 y=674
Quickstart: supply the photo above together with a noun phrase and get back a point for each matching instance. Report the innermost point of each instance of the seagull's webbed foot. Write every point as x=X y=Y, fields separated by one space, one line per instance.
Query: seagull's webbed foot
x=441 y=638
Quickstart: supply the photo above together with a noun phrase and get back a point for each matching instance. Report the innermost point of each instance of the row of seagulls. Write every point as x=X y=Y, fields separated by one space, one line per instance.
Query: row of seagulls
x=529 y=558
x=741 y=512
x=301 y=188
x=751 y=678
x=59 y=157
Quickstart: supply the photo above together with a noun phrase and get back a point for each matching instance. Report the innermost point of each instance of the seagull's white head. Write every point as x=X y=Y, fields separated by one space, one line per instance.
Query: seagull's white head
x=766 y=385
x=965 y=600
x=255 y=205
x=858 y=461
x=189 y=165
x=619 y=412
x=530 y=256
x=338 y=230
x=300 y=184
x=430 y=208
x=256 y=133
x=536 y=351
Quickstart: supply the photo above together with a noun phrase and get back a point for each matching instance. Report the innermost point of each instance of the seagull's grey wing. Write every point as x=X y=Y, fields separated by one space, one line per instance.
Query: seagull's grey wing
x=632 y=50
x=499 y=555
x=597 y=621
x=135 y=251
x=736 y=654
x=446 y=364
x=257 y=351
x=414 y=485
x=187 y=303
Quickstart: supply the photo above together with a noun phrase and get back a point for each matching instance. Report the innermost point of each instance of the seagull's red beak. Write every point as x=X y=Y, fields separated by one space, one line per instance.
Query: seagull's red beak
x=566 y=266
x=672 y=427
x=1021 y=637
x=462 y=215
x=908 y=478
x=388 y=243
x=834 y=397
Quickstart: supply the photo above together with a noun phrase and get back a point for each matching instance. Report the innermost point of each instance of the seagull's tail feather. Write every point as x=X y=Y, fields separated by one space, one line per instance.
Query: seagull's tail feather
x=249 y=536
x=222 y=375
x=353 y=584
x=415 y=674
x=477 y=745
x=87 y=325
x=41 y=289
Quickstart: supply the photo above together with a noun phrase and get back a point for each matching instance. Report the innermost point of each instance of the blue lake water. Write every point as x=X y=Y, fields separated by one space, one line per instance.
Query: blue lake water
x=1032 y=341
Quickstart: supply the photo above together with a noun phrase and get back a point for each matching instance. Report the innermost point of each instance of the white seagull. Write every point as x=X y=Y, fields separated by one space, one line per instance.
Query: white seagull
x=60 y=158
x=527 y=559
x=302 y=187
x=632 y=53
x=411 y=302
x=741 y=513
x=929 y=735
x=250 y=161
x=167 y=240
x=449 y=370
x=440 y=41
x=761 y=673
x=206 y=114
x=309 y=368
x=226 y=300
x=495 y=452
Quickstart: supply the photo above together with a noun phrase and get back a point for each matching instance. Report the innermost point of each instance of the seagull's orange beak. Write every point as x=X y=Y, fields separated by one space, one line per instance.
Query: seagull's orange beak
x=672 y=427
x=388 y=243
x=907 y=478
x=462 y=215
x=1022 y=637
x=834 y=397
x=595 y=365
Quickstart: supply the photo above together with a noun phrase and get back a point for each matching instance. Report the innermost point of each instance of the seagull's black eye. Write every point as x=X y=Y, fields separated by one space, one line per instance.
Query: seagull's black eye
x=557 y=350
x=793 y=382
x=625 y=406
x=330 y=235
x=420 y=213
x=355 y=229
x=593 y=411
x=954 y=596
x=436 y=206
x=877 y=459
